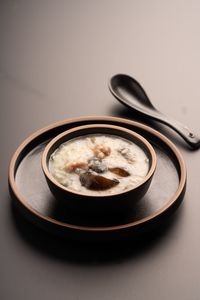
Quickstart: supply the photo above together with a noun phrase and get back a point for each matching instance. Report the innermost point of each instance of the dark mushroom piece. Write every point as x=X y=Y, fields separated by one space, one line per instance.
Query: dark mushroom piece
x=97 y=182
x=119 y=171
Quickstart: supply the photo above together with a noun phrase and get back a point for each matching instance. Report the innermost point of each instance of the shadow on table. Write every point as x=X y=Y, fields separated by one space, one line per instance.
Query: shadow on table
x=87 y=252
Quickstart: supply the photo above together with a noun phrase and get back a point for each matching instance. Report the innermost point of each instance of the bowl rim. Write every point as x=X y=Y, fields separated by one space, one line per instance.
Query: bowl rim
x=90 y=126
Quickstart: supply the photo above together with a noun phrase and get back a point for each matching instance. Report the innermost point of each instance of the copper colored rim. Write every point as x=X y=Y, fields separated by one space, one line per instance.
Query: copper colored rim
x=22 y=200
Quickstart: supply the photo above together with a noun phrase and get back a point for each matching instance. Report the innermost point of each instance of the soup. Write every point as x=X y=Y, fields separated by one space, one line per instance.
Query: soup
x=99 y=164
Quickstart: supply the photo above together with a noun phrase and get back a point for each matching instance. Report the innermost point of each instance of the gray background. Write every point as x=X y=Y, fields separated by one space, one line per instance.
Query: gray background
x=55 y=61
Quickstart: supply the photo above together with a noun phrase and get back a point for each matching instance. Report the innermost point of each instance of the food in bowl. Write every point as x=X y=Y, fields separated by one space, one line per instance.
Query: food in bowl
x=98 y=169
x=99 y=164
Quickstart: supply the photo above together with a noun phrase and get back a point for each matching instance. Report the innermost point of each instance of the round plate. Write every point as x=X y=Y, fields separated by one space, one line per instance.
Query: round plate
x=32 y=197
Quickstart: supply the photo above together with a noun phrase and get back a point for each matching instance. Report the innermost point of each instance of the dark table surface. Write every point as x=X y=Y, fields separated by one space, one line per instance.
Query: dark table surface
x=55 y=61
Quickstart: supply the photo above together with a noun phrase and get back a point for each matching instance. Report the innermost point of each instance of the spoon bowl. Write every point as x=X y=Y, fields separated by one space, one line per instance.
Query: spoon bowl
x=130 y=93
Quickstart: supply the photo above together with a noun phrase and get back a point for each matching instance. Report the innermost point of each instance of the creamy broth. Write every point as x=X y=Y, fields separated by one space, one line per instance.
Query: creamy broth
x=99 y=164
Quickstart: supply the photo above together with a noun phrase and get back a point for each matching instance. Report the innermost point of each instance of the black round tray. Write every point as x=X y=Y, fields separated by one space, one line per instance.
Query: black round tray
x=32 y=197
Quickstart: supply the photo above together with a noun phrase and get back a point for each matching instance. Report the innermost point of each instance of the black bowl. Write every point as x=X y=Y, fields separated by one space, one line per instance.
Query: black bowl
x=103 y=205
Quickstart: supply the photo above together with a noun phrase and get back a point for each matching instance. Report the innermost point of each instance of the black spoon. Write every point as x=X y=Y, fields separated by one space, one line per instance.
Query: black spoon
x=129 y=92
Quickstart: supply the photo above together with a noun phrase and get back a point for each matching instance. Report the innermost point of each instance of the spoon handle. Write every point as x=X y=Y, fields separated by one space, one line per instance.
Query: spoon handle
x=188 y=135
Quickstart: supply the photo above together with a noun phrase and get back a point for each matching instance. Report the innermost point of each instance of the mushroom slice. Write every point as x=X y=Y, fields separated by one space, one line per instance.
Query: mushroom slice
x=119 y=171
x=97 y=182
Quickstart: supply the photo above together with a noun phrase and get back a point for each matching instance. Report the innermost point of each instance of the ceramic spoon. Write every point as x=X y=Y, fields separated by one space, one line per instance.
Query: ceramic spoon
x=129 y=92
